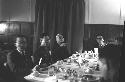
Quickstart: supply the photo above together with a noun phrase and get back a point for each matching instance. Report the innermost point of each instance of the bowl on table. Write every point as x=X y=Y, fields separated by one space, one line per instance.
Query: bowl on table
x=90 y=78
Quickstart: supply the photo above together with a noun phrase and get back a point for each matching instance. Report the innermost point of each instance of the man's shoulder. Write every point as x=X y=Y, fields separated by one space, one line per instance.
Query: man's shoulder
x=41 y=47
x=13 y=52
x=64 y=45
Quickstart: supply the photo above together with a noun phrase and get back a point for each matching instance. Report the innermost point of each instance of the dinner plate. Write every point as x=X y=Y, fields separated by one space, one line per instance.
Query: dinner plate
x=43 y=75
x=43 y=72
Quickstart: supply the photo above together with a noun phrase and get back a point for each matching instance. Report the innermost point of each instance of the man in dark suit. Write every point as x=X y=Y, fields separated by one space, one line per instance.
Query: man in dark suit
x=112 y=55
x=60 y=50
x=19 y=61
x=42 y=55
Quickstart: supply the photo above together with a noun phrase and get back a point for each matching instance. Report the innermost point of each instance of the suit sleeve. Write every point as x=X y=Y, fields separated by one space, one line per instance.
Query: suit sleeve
x=36 y=57
x=10 y=62
x=13 y=65
x=65 y=52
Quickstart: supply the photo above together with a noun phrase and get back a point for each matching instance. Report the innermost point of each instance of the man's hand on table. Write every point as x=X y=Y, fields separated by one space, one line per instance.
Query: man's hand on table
x=36 y=68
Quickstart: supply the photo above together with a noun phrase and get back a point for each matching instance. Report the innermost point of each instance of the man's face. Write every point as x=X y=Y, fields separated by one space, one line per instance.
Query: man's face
x=100 y=41
x=59 y=39
x=21 y=43
x=45 y=41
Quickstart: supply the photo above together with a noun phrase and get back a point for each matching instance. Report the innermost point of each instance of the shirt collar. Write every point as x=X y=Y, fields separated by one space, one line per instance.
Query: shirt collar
x=20 y=51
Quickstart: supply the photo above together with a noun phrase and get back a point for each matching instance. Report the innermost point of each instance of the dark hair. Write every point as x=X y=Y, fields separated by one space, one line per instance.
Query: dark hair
x=99 y=37
x=21 y=36
x=43 y=35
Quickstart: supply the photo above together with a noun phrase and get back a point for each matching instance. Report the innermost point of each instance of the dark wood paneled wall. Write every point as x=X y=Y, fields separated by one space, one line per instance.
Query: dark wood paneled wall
x=108 y=31
x=15 y=28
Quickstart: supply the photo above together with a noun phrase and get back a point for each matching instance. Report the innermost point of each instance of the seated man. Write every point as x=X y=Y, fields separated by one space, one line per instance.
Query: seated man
x=42 y=55
x=60 y=50
x=91 y=43
x=19 y=61
x=100 y=41
x=100 y=44
x=112 y=55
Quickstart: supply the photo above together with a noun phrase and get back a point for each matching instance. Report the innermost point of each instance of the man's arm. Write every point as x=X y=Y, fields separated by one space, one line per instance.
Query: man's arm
x=13 y=65
x=36 y=57
x=10 y=62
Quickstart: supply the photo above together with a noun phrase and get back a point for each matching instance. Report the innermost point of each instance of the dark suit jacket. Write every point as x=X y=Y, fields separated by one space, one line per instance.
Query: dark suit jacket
x=89 y=44
x=112 y=52
x=60 y=52
x=43 y=53
x=19 y=64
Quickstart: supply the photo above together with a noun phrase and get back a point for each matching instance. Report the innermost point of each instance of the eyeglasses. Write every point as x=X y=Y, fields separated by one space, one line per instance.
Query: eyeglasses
x=44 y=40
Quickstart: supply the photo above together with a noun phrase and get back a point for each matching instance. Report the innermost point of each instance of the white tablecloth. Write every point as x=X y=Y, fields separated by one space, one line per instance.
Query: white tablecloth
x=47 y=78
x=40 y=79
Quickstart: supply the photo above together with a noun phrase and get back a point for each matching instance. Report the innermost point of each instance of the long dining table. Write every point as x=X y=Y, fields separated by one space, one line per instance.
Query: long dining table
x=44 y=76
